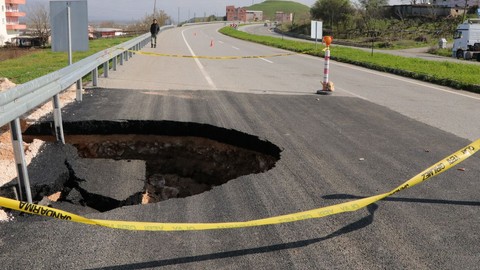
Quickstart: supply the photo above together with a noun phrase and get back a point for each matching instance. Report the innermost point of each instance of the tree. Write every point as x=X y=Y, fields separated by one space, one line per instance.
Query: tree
x=373 y=8
x=108 y=24
x=39 y=22
x=332 y=12
x=160 y=15
x=371 y=14
x=144 y=24
x=211 y=18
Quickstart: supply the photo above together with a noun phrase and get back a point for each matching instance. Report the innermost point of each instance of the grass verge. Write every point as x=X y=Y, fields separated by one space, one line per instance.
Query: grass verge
x=44 y=61
x=455 y=75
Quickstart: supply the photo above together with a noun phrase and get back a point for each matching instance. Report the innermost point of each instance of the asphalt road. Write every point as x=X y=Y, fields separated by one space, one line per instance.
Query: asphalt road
x=373 y=133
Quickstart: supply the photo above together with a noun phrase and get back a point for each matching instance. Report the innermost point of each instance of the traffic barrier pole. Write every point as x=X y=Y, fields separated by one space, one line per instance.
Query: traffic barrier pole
x=327 y=85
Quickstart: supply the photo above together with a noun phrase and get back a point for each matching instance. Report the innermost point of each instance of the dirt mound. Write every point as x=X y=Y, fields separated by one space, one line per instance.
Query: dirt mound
x=6 y=84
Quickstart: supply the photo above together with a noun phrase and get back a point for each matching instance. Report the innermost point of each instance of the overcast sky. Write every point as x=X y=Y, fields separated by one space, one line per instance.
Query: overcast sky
x=128 y=10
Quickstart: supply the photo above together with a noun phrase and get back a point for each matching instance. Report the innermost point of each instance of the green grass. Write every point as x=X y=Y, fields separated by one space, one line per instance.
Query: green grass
x=269 y=8
x=460 y=76
x=441 y=52
x=44 y=61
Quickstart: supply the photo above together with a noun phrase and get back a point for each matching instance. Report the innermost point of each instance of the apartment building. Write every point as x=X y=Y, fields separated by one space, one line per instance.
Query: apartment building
x=9 y=20
x=236 y=14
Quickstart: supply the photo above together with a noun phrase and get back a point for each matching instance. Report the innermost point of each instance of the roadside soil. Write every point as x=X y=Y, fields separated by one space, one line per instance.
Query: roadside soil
x=8 y=170
x=7 y=160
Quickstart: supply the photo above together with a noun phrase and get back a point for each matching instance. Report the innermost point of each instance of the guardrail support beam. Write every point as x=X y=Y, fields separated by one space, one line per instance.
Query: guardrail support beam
x=114 y=63
x=95 y=76
x=105 y=69
x=57 y=119
x=79 y=96
x=20 y=162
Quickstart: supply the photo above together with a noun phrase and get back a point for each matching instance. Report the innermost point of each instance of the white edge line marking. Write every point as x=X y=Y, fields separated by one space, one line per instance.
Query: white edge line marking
x=200 y=66
x=353 y=94
x=235 y=48
x=411 y=81
x=266 y=60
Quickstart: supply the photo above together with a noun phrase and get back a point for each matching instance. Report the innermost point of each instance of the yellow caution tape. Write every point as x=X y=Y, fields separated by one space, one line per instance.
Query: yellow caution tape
x=434 y=170
x=211 y=57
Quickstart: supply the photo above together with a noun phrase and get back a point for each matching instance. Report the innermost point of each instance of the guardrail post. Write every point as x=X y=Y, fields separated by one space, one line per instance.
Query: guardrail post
x=130 y=52
x=21 y=165
x=95 y=76
x=105 y=69
x=79 y=96
x=57 y=119
x=114 y=63
x=121 y=59
x=126 y=55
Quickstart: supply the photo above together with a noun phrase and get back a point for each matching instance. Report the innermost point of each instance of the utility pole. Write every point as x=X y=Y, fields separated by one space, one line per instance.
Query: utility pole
x=465 y=10
x=154 y=8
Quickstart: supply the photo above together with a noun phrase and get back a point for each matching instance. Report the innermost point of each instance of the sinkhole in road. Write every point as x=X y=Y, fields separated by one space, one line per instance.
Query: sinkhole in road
x=179 y=159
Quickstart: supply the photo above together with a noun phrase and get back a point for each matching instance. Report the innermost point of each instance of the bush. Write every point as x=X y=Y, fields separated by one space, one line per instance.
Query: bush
x=422 y=38
x=386 y=44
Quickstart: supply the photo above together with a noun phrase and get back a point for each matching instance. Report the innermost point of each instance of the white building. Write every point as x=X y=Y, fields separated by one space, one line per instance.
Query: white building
x=455 y=3
x=9 y=20
x=254 y=15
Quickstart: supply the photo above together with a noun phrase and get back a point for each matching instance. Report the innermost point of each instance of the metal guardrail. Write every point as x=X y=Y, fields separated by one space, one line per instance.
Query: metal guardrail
x=17 y=101
x=23 y=98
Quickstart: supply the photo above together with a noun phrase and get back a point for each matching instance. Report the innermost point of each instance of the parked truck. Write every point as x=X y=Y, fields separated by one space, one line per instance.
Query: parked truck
x=466 y=40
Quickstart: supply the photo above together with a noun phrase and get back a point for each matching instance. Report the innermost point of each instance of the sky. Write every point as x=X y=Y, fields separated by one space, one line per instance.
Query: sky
x=132 y=10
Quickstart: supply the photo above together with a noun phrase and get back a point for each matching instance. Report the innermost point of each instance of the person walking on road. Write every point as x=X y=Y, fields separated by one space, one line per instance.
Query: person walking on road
x=154 y=29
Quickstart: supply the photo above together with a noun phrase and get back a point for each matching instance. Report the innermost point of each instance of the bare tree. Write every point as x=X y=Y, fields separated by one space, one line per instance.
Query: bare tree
x=332 y=12
x=108 y=24
x=39 y=22
x=143 y=25
x=400 y=12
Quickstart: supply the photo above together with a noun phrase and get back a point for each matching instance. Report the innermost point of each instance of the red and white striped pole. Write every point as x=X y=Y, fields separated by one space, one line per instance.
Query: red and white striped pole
x=327 y=86
x=326 y=68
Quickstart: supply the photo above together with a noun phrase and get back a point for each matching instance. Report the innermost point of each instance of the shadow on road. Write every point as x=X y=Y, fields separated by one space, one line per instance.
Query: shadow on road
x=357 y=225
x=413 y=200
x=362 y=223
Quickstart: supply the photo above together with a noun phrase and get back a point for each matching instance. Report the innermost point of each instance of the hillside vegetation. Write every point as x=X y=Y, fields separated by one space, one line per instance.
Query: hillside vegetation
x=269 y=8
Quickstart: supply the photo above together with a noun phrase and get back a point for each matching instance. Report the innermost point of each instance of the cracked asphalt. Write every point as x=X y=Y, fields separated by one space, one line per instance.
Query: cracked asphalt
x=356 y=151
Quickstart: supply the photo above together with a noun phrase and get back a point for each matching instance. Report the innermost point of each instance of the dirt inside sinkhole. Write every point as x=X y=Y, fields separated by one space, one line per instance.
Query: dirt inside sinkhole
x=176 y=166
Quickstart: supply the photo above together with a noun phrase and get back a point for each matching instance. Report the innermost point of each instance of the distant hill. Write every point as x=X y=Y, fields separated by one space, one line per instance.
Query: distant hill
x=269 y=7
